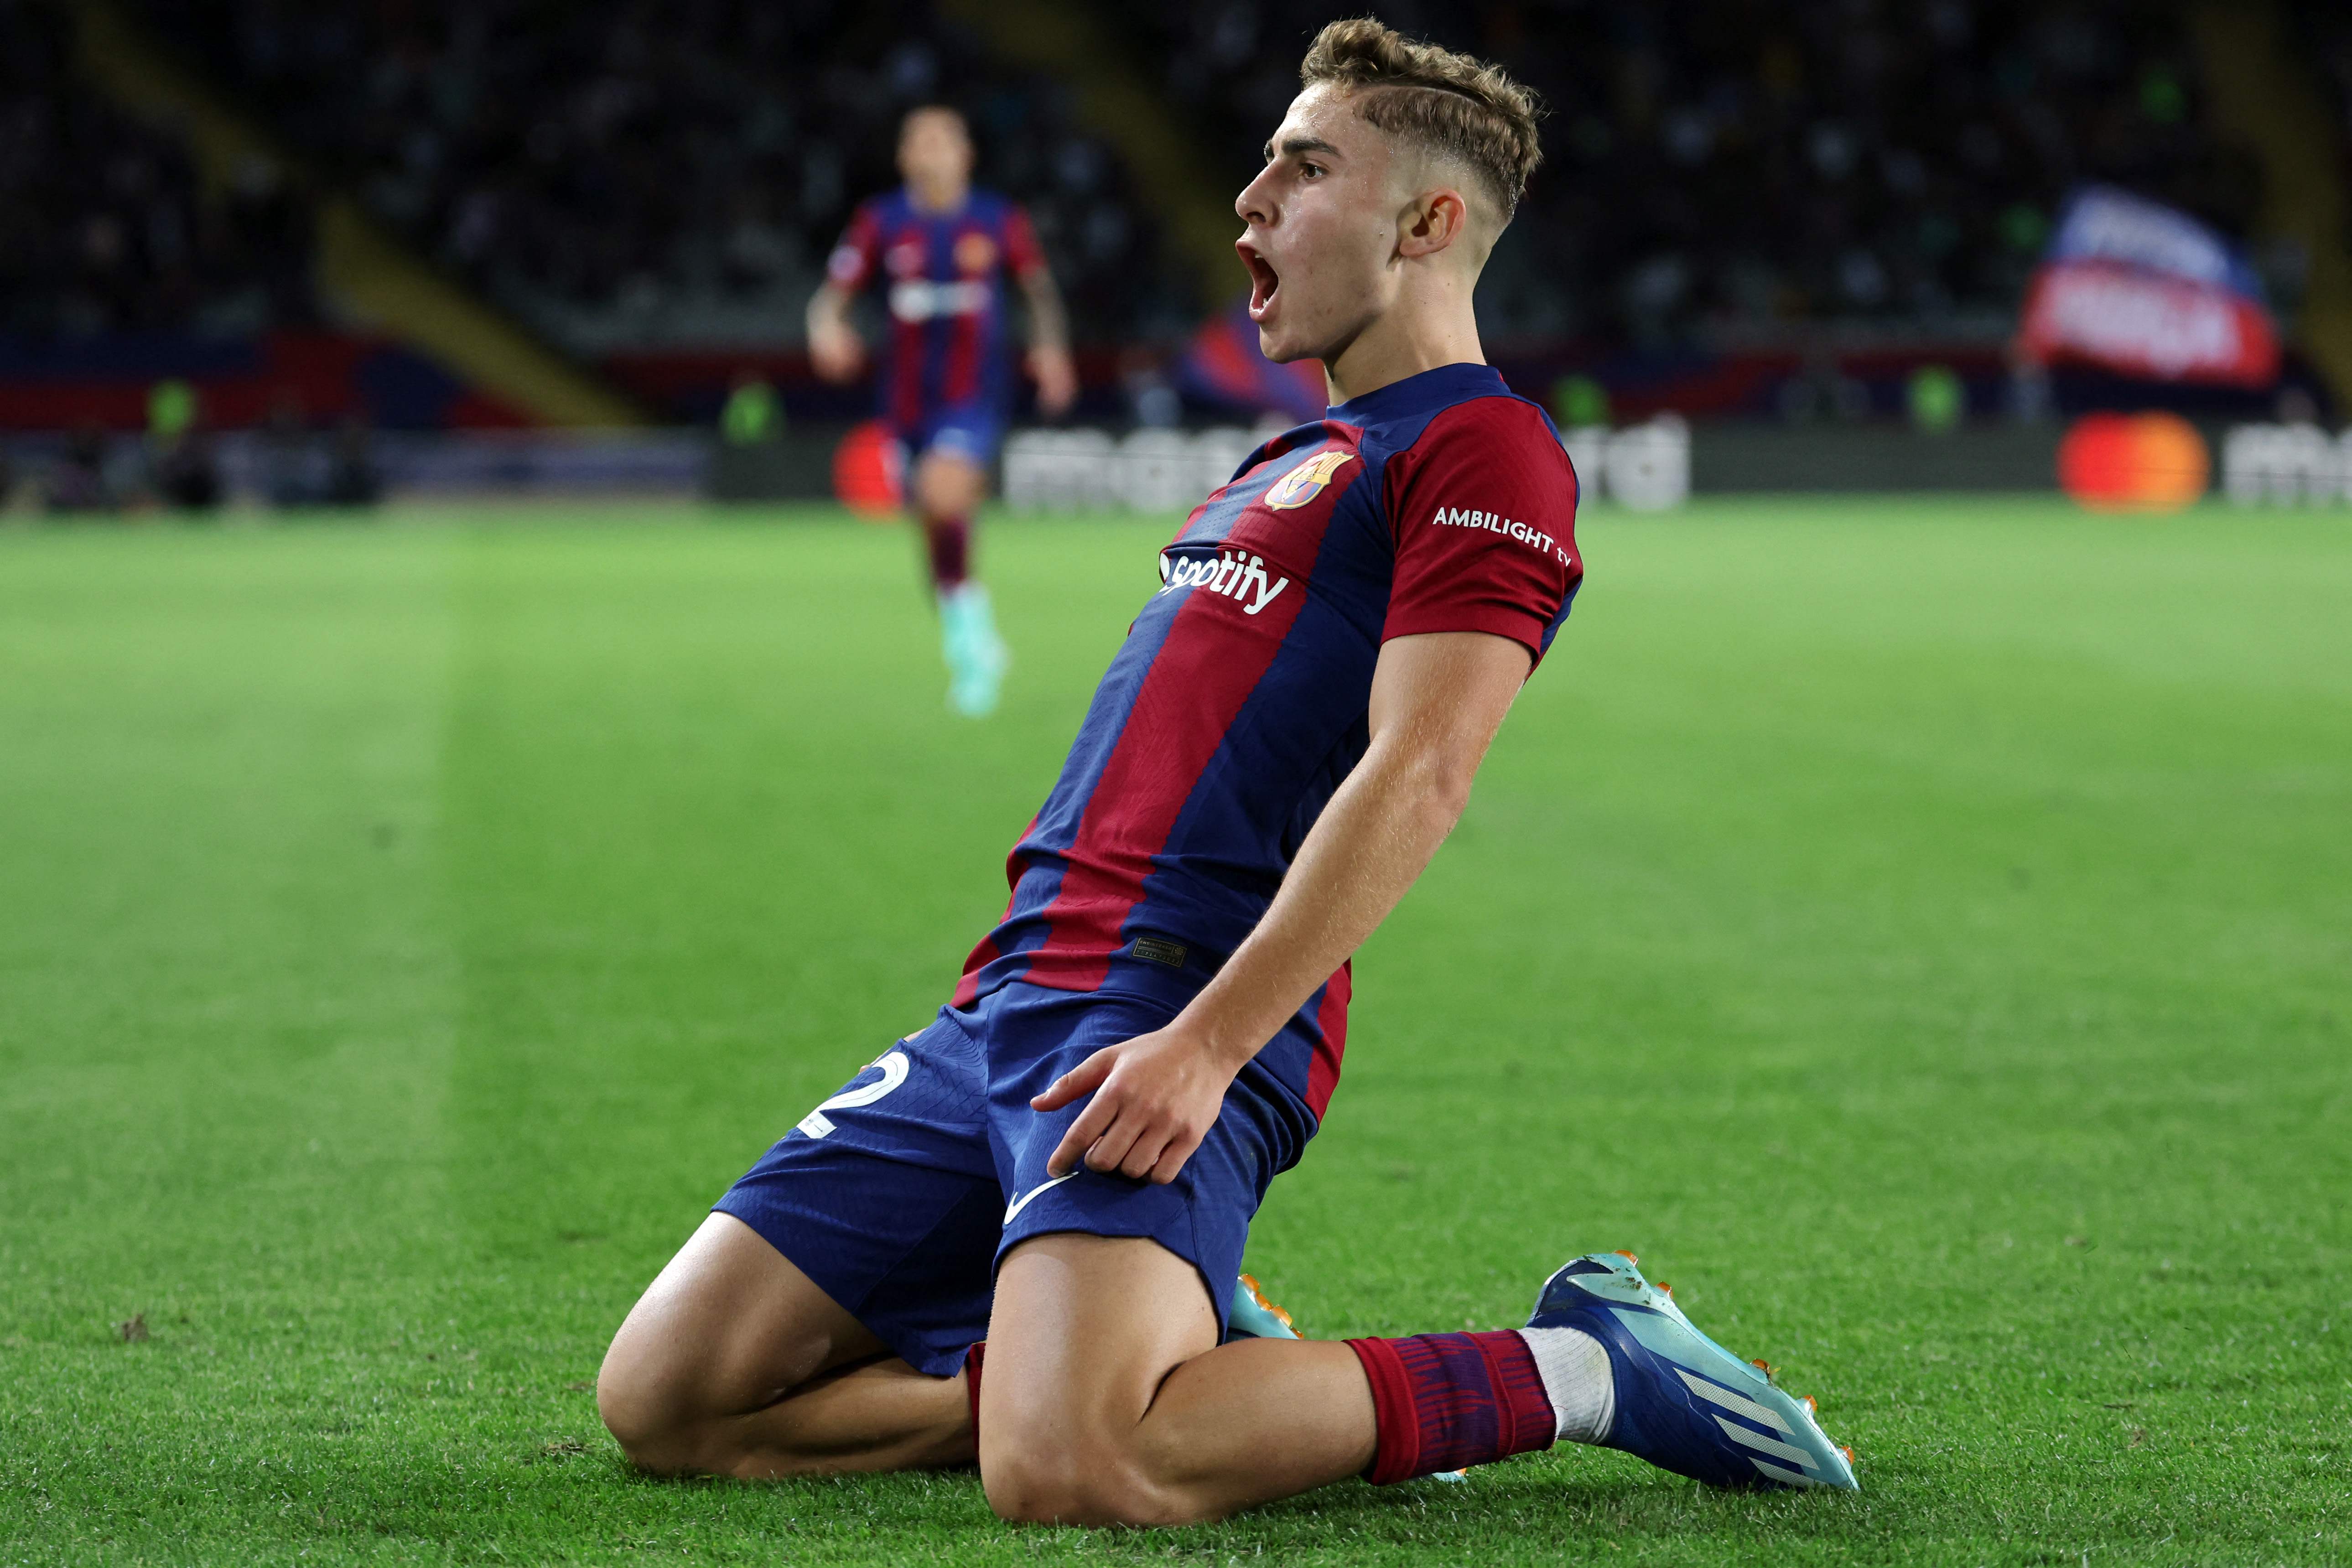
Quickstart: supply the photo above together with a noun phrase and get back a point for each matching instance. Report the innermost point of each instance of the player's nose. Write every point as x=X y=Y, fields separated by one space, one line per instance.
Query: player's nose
x=1255 y=205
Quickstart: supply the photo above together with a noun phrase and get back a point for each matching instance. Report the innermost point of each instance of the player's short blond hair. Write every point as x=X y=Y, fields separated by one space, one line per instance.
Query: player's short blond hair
x=1450 y=104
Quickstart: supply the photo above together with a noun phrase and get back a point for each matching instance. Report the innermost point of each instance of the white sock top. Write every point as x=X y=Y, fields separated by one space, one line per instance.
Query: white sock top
x=1577 y=1380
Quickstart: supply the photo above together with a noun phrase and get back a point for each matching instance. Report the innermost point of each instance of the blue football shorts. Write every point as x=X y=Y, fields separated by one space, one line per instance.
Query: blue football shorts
x=971 y=431
x=899 y=1195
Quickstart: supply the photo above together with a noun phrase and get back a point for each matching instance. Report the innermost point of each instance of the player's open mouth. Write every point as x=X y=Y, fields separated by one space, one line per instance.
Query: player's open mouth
x=1263 y=282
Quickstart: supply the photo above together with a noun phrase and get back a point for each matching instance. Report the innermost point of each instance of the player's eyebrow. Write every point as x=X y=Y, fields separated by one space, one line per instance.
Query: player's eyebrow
x=1300 y=146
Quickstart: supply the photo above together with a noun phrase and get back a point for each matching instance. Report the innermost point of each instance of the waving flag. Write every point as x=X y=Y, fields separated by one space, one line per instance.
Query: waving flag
x=2144 y=289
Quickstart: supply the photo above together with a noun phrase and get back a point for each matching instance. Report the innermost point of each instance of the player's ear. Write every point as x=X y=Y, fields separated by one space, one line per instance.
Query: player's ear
x=1434 y=220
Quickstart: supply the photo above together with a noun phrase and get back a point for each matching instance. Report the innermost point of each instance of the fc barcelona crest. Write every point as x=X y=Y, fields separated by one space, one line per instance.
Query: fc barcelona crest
x=1304 y=482
x=975 y=252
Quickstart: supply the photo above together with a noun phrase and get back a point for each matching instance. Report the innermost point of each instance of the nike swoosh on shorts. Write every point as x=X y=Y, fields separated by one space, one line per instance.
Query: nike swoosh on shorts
x=1025 y=1199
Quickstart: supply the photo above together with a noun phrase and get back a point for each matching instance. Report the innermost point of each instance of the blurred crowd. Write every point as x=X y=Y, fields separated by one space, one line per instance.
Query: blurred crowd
x=107 y=229
x=629 y=173
x=2323 y=32
x=622 y=170
x=1728 y=164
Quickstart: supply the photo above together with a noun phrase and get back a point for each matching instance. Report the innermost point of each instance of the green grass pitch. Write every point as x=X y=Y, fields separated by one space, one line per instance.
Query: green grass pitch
x=1923 y=932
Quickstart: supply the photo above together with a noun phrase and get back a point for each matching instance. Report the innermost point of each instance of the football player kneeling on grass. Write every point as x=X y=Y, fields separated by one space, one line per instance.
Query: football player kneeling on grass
x=1013 y=1236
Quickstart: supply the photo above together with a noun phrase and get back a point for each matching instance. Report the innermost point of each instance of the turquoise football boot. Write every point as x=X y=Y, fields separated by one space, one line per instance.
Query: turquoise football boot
x=976 y=655
x=1253 y=1317
x=1685 y=1402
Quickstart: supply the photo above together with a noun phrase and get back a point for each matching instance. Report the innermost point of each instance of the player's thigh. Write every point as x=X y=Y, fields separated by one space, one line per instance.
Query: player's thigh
x=1085 y=1331
x=1104 y=1286
x=729 y=1325
x=949 y=482
x=860 y=1203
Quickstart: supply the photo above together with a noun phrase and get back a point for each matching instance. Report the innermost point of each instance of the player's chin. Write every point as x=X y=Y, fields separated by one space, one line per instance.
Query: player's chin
x=1281 y=347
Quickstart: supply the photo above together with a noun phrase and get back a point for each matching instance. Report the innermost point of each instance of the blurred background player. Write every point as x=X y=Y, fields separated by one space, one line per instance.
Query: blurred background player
x=945 y=384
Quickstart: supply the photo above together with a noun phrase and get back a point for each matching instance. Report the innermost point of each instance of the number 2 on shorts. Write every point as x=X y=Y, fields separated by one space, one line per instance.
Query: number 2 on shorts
x=817 y=1125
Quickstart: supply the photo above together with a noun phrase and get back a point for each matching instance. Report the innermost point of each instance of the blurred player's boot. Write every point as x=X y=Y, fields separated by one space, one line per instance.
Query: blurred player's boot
x=1255 y=1318
x=1671 y=1396
x=975 y=655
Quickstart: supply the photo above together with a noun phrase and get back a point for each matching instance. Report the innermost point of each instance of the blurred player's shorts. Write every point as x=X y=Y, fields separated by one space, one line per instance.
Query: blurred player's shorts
x=970 y=431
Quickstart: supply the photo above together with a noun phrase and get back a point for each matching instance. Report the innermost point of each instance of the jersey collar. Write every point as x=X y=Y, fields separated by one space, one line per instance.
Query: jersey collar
x=950 y=215
x=1448 y=384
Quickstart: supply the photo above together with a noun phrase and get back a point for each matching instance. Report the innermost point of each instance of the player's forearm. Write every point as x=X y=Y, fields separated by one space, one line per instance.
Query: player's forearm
x=828 y=310
x=1371 y=843
x=1437 y=699
x=1049 y=326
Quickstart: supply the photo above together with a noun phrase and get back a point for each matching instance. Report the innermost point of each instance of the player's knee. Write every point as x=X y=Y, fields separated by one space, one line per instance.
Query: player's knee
x=646 y=1433
x=1027 y=1492
x=638 y=1399
x=1064 y=1482
x=946 y=486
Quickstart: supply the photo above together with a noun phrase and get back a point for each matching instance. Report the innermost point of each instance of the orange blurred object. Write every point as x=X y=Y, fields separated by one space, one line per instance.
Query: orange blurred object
x=2134 y=462
x=869 y=470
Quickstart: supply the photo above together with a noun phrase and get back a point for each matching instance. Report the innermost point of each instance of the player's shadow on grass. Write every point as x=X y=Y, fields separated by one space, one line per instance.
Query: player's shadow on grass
x=1578 y=1494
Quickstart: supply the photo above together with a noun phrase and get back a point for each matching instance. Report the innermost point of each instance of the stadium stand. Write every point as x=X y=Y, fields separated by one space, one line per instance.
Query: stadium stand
x=110 y=230
x=1727 y=170
x=620 y=173
x=2322 y=34
x=2266 y=74
x=1769 y=211
x=2323 y=37
x=623 y=175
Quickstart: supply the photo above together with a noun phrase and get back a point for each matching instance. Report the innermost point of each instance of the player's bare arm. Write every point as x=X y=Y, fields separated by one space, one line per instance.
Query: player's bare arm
x=1437 y=701
x=835 y=351
x=1049 y=344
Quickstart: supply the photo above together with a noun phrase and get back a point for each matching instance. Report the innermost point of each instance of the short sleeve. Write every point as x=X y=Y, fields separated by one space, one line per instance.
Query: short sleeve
x=1482 y=507
x=1023 y=257
x=853 y=260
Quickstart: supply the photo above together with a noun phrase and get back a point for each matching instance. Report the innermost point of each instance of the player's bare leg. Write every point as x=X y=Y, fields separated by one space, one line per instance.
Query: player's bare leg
x=734 y=1363
x=948 y=487
x=1107 y=1400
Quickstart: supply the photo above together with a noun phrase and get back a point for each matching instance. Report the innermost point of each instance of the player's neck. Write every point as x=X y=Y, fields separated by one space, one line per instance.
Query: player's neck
x=1419 y=331
x=938 y=199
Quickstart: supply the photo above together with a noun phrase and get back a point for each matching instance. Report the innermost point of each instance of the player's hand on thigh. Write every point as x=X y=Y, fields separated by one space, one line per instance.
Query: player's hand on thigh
x=1155 y=1098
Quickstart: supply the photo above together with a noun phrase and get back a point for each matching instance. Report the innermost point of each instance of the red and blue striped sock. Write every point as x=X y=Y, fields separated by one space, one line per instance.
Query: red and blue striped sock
x=1444 y=1401
x=973 y=1359
x=948 y=542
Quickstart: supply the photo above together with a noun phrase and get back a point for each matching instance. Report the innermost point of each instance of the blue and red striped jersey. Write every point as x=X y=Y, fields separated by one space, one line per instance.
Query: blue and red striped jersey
x=945 y=272
x=1240 y=700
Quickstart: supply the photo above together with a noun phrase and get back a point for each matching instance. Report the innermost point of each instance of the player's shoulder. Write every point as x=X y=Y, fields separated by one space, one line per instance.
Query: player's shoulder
x=1496 y=434
x=1462 y=424
x=990 y=206
x=867 y=232
x=1499 y=425
x=882 y=208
